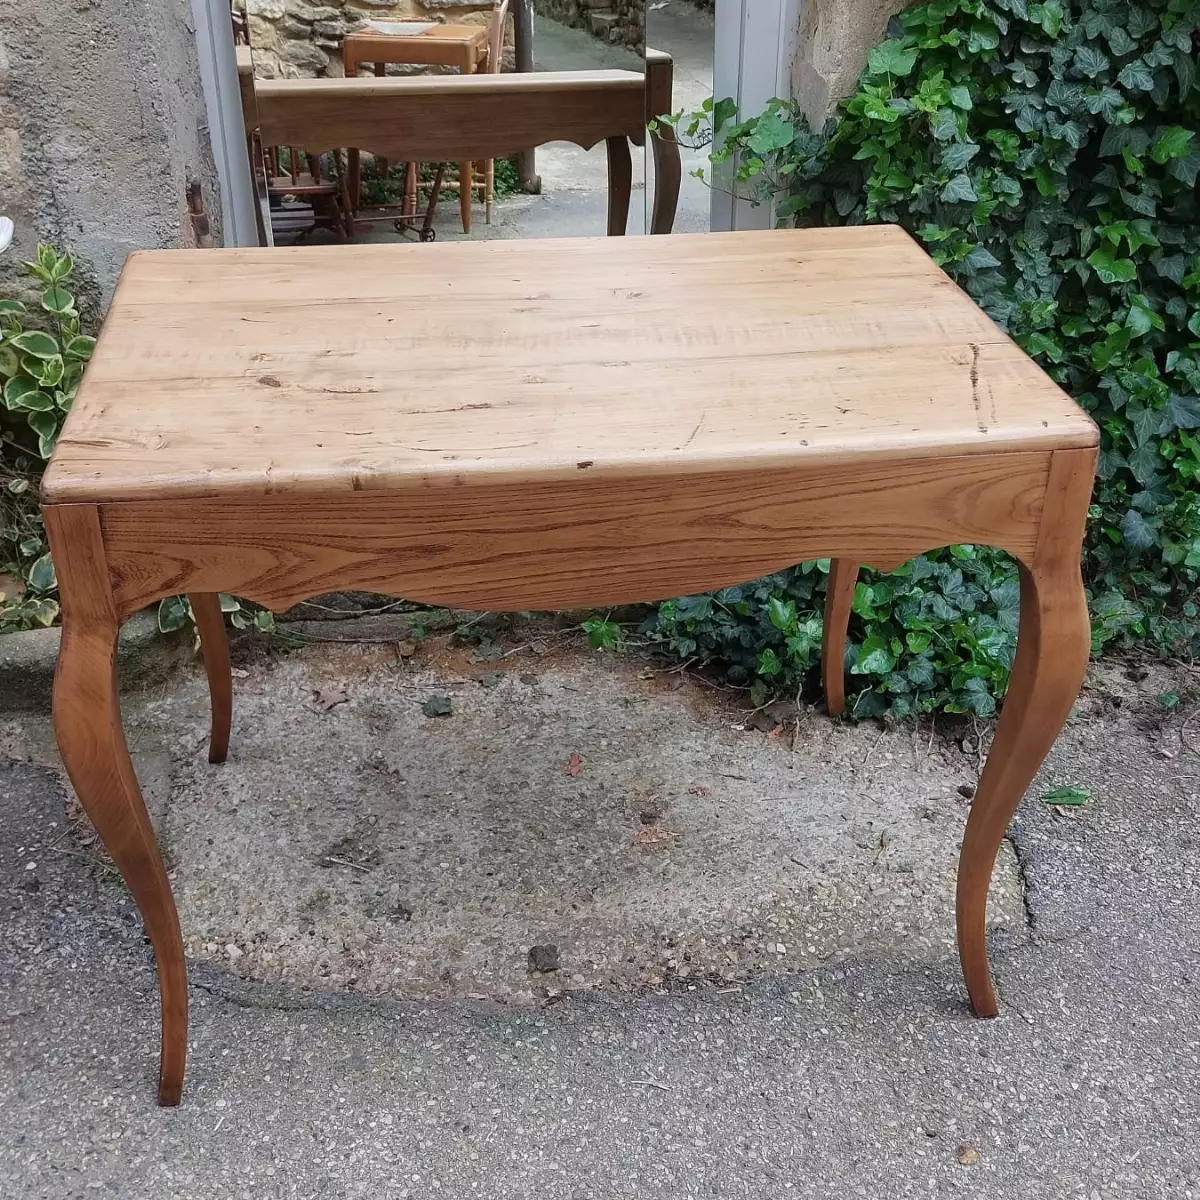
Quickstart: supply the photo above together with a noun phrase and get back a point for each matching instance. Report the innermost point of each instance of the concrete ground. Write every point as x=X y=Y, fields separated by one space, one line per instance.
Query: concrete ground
x=756 y=992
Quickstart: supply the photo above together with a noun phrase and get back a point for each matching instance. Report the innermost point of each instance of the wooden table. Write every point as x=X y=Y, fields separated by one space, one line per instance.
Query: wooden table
x=462 y=46
x=625 y=420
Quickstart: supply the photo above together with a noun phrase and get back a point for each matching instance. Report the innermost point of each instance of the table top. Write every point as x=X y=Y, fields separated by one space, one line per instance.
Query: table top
x=322 y=369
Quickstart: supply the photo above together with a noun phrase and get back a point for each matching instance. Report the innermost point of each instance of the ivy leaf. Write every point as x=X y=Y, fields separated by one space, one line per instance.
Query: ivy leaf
x=1136 y=76
x=1137 y=533
x=1089 y=61
x=1144 y=463
x=979 y=259
x=874 y=657
x=945 y=124
x=1184 y=411
x=892 y=57
x=1185 y=168
x=1172 y=142
x=1109 y=268
x=1185 y=71
x=771 y=133
x=958 y=154
x=960 y=96
x=959 y=187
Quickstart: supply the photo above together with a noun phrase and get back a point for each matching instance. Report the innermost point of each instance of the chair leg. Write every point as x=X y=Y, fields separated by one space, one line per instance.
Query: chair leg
x=1052 y=653
x=214 y=646
x=412 y=172
x=87 y=725
x=839 y=595
x=464 y=194
x=489 y=188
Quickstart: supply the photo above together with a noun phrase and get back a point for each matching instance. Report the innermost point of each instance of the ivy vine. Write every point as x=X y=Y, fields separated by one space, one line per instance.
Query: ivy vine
x=1047 y=155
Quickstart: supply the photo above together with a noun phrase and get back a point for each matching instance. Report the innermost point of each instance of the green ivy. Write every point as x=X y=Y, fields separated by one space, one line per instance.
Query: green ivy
x=1047 y=155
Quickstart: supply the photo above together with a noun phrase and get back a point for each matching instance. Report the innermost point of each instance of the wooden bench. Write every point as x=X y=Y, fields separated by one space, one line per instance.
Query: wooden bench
x=617 y=420
x=455 y=118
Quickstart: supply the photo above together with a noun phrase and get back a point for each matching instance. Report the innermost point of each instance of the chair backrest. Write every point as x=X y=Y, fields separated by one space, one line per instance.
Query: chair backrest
x=496 y=24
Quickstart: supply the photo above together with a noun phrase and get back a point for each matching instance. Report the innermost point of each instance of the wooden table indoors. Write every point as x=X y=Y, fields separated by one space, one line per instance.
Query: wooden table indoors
x=622 y=420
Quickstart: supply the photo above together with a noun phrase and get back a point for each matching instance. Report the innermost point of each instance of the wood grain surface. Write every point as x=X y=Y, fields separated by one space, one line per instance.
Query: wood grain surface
x=452 y=117
x=584 y=540
x=338 y=369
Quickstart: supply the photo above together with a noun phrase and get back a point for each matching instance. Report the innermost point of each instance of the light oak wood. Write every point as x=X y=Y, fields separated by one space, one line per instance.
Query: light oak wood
x=843 y=575
x=435 y=118
x=572 y=541
x=625 y=421
x=706 y=353
x=1053 y=643
x=87 y=726
x=214 y=646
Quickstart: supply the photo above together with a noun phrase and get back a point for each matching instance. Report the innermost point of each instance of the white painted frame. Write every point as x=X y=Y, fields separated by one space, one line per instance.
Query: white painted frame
x=226 y=127
x=752 y=63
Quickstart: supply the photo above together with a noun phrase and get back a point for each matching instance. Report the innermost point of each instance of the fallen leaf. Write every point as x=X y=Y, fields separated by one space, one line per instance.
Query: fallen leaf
x=490 y=681
x=968 y=1156
x=437 y=706
x=698 y=791
x=653 y=837
x=238 y=672
x=330 y=697
x=406 y=648
x=574 y=764
x=1067 y=795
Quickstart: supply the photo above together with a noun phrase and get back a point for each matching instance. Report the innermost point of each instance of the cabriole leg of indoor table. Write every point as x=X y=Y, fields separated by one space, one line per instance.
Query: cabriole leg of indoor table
x=87 y=725
x=1052 y=653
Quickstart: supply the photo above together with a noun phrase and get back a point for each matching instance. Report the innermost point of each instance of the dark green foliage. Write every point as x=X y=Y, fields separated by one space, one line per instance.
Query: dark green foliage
x=1047 y=155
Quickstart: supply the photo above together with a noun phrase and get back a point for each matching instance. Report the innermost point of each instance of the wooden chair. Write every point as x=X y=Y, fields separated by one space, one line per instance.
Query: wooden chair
x=291 y=171
x=484 y=181
x=457 y=118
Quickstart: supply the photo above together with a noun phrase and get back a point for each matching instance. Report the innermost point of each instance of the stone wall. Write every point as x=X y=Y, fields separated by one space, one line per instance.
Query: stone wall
x=831 y=50
x=299 y=38
x=102 y=124
x=620 y=22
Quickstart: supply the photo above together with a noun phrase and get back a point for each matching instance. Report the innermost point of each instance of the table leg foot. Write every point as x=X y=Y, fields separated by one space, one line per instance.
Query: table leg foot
x=839 y=595
x=214 y=646
x=1052 y=653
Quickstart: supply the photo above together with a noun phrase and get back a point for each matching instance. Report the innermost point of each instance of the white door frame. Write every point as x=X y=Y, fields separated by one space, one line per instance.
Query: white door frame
x=752 y=63
x=226 y=125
